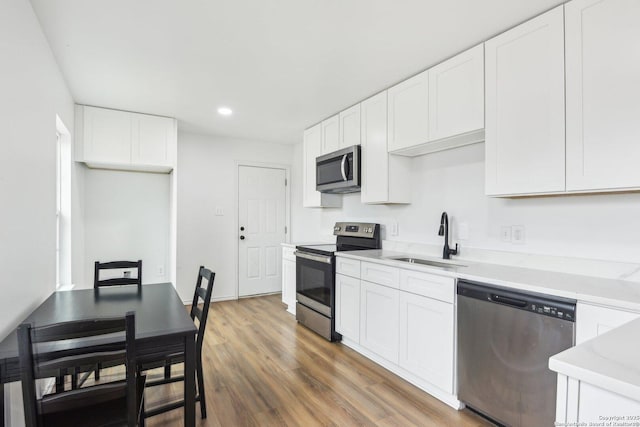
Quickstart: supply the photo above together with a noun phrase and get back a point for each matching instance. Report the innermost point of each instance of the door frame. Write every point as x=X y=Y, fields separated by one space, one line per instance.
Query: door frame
x=236 y=209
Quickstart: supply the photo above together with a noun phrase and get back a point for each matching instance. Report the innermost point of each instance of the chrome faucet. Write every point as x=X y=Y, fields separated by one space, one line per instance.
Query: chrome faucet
x=444 y=231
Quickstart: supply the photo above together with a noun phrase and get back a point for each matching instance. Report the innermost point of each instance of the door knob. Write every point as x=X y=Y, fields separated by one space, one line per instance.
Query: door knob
x=241 y=228
x=241 y=237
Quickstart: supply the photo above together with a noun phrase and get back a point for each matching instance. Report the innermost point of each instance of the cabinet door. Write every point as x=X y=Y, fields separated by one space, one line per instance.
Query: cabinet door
x=107 y=136
x=311 y=148
x=593 y=320
x=350 y=127
x=603 y=94
x=426 y=339
x=408 y=112
x=524 y=131
x=289 y=285
x=331 y=134
x=375 y=157
x=348 y=307
x=379 y=320
x=456 y=95
x=154 y=139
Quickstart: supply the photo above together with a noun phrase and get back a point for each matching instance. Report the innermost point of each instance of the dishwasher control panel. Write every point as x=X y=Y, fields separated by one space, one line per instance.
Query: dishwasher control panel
x=545 y=305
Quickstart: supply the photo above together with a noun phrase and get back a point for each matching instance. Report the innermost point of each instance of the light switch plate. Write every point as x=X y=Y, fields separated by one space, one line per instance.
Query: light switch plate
x=219 y=211
x=393 y=229
x=517 y=234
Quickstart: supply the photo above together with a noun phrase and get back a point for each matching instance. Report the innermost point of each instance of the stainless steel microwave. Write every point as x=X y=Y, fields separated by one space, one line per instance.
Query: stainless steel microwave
x=339 y=172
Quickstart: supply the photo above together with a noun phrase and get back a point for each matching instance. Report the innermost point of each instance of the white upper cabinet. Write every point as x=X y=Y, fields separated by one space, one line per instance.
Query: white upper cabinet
x=385 y=177
x=115 y=139
x=456 y=96
x=106 y=135
x=330 y=134
x=603 y=94
x=350 y=127
x=408 y=112
x=525 y=133
x=312 y=148
x=153 y=140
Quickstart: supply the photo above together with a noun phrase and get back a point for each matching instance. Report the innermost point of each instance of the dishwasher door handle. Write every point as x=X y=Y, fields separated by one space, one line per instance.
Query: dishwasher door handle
x=508 y=301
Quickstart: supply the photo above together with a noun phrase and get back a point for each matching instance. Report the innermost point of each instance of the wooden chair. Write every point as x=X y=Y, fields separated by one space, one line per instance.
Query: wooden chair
x=117 y=281
x=204 y=294
x=112 y=403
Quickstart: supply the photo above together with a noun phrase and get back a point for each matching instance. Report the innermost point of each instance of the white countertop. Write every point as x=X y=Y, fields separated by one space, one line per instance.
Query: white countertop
x=610 y=361
x=615 y=293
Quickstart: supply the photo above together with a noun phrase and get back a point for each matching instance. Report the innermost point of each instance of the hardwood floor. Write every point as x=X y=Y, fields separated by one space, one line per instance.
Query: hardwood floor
x=261 y=369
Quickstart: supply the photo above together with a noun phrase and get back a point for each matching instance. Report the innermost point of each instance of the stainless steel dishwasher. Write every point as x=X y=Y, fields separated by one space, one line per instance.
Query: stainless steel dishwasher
x=505 y=339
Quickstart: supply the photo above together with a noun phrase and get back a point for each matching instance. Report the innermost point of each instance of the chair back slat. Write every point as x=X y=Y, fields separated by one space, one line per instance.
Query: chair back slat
x=202 y=293
x=117 y=281
x=32 y=365
x=83 y=397
x=77 y=329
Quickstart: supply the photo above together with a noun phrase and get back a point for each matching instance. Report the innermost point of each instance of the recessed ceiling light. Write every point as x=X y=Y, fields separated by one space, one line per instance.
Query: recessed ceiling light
x=225 y=111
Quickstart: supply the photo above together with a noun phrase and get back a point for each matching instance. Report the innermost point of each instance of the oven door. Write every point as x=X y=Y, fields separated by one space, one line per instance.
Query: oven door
x=315 y=281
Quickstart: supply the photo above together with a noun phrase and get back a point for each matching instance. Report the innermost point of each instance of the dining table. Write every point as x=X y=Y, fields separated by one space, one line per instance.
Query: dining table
x=163 y=326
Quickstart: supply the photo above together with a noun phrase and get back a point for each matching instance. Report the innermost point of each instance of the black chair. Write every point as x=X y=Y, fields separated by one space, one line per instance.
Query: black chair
x=112 y=403
x=117 y=281
x=167 y=360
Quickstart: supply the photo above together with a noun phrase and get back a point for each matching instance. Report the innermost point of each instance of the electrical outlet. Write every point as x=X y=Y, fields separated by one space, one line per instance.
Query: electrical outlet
x=161 y=270
x=393 y=229
x=505 y=233
x=518 y=234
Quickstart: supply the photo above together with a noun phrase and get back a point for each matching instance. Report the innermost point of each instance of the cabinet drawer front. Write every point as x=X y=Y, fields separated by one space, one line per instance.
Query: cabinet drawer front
x=381 y=274
x=428 y=285
x=287 y=253
x=348 y=267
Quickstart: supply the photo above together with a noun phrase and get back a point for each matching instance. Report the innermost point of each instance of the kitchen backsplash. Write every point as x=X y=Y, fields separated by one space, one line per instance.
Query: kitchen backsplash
x=602 y=227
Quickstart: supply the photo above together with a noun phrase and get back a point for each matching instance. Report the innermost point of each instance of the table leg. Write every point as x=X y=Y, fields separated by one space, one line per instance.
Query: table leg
x=189 y=381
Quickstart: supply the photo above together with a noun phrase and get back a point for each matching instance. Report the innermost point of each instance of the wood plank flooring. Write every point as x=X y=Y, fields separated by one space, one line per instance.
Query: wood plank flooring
x=262 y=369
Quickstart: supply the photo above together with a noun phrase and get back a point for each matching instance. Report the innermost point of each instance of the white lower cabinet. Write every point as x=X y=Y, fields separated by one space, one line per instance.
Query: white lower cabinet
x=581 y=403
x=401 y=319
x=426 y=339
x=379 y=319
x=348 y=307
x=594 y=320
x=289 y=279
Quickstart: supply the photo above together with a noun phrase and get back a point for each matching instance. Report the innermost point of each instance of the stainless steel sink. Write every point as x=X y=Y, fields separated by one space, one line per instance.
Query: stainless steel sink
x=427 y=262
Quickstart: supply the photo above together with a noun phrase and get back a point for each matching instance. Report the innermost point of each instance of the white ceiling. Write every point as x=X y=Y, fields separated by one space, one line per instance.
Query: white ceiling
x=281 y=65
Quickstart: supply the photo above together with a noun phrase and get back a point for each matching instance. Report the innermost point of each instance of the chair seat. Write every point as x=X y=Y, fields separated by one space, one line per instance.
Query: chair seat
x=104 y=414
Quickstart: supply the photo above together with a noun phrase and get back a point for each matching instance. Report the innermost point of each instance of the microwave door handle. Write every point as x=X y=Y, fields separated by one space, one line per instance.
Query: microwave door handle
x=342 y=169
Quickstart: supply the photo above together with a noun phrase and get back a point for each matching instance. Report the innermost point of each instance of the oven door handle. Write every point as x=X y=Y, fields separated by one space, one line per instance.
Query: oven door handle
x=312 y=257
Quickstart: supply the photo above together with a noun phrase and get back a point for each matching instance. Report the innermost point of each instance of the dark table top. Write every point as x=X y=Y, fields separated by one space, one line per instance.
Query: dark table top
x=159 y=311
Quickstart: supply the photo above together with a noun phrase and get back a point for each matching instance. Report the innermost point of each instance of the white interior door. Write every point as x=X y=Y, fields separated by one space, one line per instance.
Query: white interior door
x=261 y=223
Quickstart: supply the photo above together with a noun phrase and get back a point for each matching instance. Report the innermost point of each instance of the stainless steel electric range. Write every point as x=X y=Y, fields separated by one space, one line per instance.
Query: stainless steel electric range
x=316 y=270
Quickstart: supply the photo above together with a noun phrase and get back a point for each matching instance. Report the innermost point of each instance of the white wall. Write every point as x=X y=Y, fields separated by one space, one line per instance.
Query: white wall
x=32 y=93
x=597 y=226
x=206 y=181
x=126 y=218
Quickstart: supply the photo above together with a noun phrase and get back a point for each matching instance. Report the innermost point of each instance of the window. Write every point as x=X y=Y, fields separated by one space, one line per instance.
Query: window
x=63 y=205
